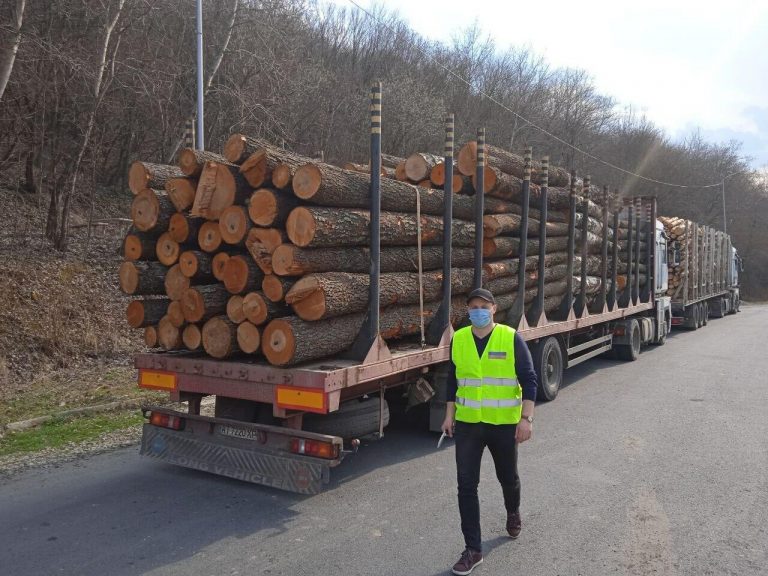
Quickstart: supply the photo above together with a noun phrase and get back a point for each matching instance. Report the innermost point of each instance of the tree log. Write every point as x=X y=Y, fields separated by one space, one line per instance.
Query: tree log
x=261 y=243
x=239 y=147
x=209 y=236
x=234 y=225
x=241 y=274
x=235 y=309
x=167 y=249
x=330 y=186
x=220 y=186
x=290 y=260
x=151 y=210
x=276 y=287
x=184 y=229
x=507 y=284
x=506 y=162
x=324 y=227
x=400 y=172
x=269 y=208
x=176 y=313
x=168 y=335
x=175 y=282
x=142 y=175
x=181 y=191
x=220 y=337
x=259 y=310
x=509 y=225
x=139 y=246
x=510 y=267
x=200 y=303
x=391 y=161
x=419 y=165
x=248 y=338
x=504 y=246
x=196 y=265
x=259 y=166
x=192 y=337
x=192 y=162
x=142 y=278
x=218 y=263
x=145 y=312
x=150 y=337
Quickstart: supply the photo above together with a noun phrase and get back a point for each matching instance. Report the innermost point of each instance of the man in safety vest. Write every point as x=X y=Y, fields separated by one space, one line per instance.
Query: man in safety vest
x=491 y=396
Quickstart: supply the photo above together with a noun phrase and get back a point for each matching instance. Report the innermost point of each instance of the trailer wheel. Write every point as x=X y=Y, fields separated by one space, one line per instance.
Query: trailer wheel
x=694 y=317
x=704 y=314
x=548 y=362
x=630 y=351
x=353 y=419
x=661 y=340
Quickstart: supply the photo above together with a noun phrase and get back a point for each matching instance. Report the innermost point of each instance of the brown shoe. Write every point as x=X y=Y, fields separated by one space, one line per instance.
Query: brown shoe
x=514 y=524
x=469 y=559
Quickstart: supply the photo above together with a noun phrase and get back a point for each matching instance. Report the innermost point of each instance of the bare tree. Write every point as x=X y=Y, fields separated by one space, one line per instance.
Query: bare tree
x=9 y=54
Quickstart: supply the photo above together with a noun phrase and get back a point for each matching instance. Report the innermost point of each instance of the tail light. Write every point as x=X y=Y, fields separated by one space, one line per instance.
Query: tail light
x=619 y=331
x=166 y=421
x=314 y=448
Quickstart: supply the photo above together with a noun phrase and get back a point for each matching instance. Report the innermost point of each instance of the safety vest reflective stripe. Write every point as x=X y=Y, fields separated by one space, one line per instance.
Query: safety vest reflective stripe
x=470 y=381
x=488 y=403
x=488 y=382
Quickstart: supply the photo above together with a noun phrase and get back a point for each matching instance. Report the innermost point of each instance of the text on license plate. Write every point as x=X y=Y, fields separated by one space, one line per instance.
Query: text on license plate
x=235 y=432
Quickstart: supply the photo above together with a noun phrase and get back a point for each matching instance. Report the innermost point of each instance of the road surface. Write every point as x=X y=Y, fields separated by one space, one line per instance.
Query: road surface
x=654 y=467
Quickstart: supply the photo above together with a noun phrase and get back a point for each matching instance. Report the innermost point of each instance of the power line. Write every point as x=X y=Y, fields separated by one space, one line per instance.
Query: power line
x=533 y=124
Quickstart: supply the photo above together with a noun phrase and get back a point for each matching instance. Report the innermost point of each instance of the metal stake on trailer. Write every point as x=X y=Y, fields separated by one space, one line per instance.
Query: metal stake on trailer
x=565 y=312
x=650 y=241
x=440 y=328
x=479 y=207
x=369 y=346
x=200 y=88
x=612 y=295
x=626 y=295
x=580 y=308
x=536 y=315
x=599 y=306
x=636 y=277
x=516 y=314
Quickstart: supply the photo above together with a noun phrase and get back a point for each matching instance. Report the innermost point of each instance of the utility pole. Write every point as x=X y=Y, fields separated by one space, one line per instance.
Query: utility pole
x=200 y=88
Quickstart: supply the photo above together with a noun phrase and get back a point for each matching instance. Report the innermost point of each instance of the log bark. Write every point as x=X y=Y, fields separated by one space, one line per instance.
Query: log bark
x=259 y=310
x=290 y=260
x=419 y=165
x=192 y=337
x=235 y=309
x=241 y=274
x=168 y=335
x=142 y=175
x=239 y=147
x=220 y=337
x=196 y=265
x=151 y=210
x=505 y=246
x=325 y=227
x=330 y=186
x=391 y=161
x=142 y=278
x=248 y=338
x=510 y=267
x=175 y=282
x=176 y=313
x=507 y=284
x=220 y=186
x=276 y=287
x=167 y=249
x=209 y=236
x=192 y=162
x=139 y=246
x=146 y=312
x=270 y=208
x=321 y=296
x=509 y=225
x=506 y=162
x=181 y=191
x=199 y=303
x=183 y=228
x=259 y=167
x=234 y=225
x=261 y=243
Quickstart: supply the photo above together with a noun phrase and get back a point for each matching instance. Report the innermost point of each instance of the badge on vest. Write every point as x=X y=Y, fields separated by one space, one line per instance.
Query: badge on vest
x=497 y=355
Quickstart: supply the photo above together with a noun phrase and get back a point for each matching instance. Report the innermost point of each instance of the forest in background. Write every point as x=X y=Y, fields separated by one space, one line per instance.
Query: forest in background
x=88 y=86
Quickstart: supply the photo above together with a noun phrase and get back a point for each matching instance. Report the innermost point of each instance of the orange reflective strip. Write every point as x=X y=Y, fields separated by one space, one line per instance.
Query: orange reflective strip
x=157 y=380
x=308 y=399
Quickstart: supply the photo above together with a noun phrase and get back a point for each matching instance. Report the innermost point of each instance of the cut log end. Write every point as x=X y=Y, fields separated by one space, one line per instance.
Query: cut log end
x=192 y=337
x=135 y=314
x=282 y=176
x=181 y=191
x=235 y=309
x=255 y=308
x=279 y=342
x=283 y=261
x=306 y=181
x=235 y=148
x=263 y=208
x=188 y=162
x=188 y=263
x=275 y=287
x=437 y=174
x=176 y=313
x=254 y=169
x=248 y=338
x=134 y=248
x=234 y=224
x=220 y=337
x=467 y=160
x=168 y=335
x=150 y=337
x=175 y=282
x=237 y=274
x=167 y=249
x=145 y=210
x=192 y=305
x=209 y=237
x=218 y=265
x=300 y=226
x=129 y=277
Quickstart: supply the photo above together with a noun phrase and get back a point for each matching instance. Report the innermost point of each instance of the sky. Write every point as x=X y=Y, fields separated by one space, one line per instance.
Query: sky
x=688 y=65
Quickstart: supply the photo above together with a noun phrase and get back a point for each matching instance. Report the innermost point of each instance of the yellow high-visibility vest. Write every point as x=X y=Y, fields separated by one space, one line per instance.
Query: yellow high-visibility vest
x=488 y=390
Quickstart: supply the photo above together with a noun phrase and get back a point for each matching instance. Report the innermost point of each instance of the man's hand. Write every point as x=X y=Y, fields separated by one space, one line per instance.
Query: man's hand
x=447 y=427
x=524 y=431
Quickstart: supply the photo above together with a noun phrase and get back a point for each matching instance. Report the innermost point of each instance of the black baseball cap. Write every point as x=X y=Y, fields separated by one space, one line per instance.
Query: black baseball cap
x=481 y=293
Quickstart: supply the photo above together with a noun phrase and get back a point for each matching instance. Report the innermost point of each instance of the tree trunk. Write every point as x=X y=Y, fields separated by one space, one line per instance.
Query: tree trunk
x=507 y=284
x=323 y=227
x=184 y=229
x=419 y=165
x=6 y=66
x=220 y=337
x=502 y=268
x=151 y=210
x=248 y=338
x=259 y=310
x=175 y=282
x=235 y=309
x=167 y=249
x=239 y=147
x=506 y=162
x=509 y=225
x=192 y=162
x=143 y=175
x=139 y=246
x=220 y=186
x=200 y=303
x=276 y=287
x=197 y=265
x=258 y=168
x=241 y=274
x=261 y=243
x=168 y=335
x=142 y=278
x=218 y=263
x=150 y=337
x=290 y=260
x=192 y=337
x=321 y=296
x=234 y=225
x=144 y=312
x=181 y=191
x=506 y=247
x=269 y=208
x=176 y=313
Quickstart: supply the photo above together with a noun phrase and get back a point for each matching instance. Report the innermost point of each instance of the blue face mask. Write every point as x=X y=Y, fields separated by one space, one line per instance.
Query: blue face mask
x=480 y=317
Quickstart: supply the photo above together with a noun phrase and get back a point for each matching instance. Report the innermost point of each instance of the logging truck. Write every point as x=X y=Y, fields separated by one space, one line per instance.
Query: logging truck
x=363 y=274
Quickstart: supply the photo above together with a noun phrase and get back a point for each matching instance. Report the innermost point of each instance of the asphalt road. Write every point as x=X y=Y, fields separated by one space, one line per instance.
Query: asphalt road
x=654 y=467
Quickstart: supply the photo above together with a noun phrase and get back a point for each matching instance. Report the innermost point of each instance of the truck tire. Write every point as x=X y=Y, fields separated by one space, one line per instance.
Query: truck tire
x=662 y=339
x=353 y=419
x=548 y=363
x=631 y=351
x=704 y=314
x=694 y=312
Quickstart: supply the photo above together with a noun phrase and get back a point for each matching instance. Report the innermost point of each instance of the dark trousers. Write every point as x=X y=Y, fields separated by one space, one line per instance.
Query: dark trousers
x=471 y=440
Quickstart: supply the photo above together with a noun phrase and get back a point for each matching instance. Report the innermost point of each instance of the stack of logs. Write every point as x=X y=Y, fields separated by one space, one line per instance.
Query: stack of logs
x=262 y=251
x=681 y=234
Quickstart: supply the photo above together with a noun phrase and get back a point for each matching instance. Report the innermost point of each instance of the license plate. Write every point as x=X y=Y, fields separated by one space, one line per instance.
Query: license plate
x=235 y=432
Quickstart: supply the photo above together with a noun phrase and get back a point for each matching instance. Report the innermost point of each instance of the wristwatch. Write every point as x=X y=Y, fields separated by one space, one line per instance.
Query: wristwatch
x=529 y=418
